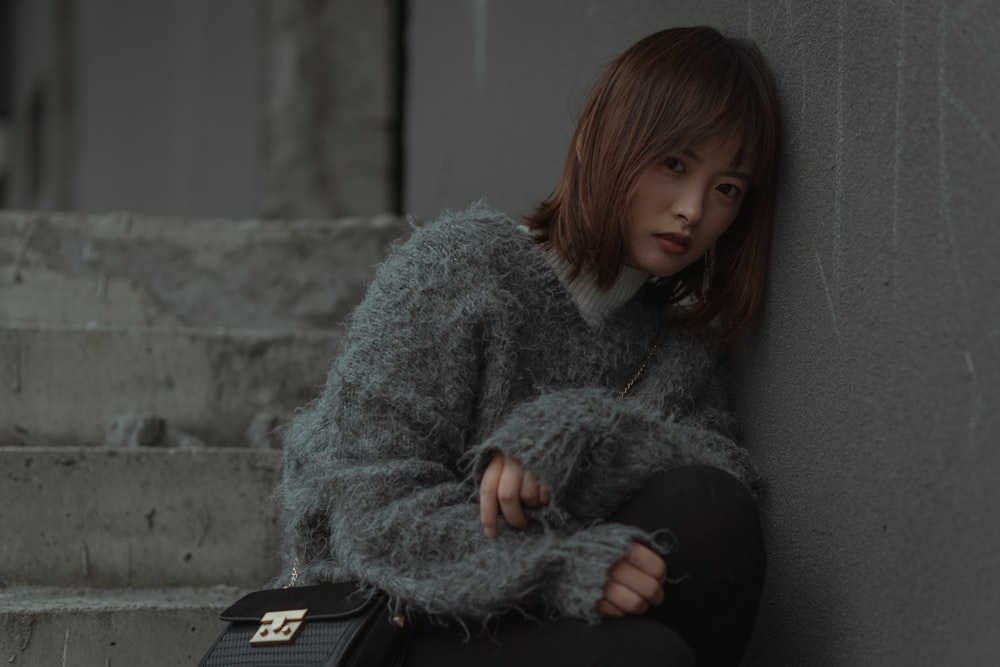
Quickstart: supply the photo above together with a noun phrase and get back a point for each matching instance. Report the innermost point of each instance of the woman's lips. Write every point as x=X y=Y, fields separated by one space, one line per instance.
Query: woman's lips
x=675 y=244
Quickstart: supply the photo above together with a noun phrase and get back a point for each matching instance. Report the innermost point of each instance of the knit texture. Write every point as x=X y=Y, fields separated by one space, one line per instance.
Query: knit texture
x=467 y=343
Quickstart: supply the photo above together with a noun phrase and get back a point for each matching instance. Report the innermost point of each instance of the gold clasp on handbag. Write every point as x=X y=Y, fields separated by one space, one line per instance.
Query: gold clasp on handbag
x=278 y=627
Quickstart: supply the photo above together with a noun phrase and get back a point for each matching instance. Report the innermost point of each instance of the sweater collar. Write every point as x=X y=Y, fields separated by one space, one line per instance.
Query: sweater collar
x=595 y=304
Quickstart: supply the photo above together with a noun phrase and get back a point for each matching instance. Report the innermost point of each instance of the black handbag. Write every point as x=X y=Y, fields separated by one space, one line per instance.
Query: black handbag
x=328 y=625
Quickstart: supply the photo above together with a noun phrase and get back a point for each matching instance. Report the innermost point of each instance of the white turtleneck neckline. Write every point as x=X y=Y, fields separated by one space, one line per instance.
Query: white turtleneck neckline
x=595 y=304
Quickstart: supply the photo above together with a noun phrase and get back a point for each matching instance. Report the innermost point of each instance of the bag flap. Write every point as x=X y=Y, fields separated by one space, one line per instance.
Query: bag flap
x=322 y=601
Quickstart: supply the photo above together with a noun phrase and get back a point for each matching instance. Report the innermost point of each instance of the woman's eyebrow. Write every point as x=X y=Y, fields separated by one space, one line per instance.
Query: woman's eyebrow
x=732 y=173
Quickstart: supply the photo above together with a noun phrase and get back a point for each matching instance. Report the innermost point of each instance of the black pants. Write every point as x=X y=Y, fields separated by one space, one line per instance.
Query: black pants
x=706 y=618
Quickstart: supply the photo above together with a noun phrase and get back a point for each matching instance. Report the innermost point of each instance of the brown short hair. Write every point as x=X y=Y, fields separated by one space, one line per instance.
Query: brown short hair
x=671 y=90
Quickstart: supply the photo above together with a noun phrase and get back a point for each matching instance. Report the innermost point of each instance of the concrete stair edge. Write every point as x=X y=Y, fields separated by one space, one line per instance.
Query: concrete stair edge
x=44 y=626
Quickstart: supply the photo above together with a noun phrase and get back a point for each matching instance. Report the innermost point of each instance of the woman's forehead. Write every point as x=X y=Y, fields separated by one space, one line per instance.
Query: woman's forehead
x=728 y=149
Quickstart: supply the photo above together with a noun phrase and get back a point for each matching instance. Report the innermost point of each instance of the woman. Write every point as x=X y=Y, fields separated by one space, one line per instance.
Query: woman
x=525 y=439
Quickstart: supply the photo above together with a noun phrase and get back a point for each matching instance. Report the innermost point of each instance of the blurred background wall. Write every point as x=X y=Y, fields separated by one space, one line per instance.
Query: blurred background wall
x=185 y=108
x=870 y=383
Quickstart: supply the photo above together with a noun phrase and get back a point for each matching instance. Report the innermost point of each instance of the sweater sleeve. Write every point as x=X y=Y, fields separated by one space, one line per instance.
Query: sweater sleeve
x=593 y=451
x=372 y=489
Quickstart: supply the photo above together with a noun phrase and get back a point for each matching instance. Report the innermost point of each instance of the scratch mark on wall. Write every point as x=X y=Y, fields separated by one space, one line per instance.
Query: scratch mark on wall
x=798 y=57
x=983 y=131
x=86 y=560
x=802 y=110
x=771 y=22
x=829 y=296
x=481 y=18
x=102 y=287
x=839 y=156
x=802 y=17
x=898 y=143
x=979 y=403
x=793 y=27
x=944 y=186
x=65 y=648
x=17 y=362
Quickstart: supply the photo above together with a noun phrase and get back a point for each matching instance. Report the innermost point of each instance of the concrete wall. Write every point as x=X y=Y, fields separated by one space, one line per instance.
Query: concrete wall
x=145 y=106
x=40 y=134
x=869 y=385
x=331 y=132
x=230 y=108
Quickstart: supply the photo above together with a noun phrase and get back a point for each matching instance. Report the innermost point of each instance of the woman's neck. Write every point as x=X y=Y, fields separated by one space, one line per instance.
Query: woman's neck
x=595 y=304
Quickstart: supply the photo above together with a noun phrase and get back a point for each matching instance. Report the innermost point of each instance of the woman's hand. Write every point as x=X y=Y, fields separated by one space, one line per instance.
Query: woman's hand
x=635 y=583
x=505 y=487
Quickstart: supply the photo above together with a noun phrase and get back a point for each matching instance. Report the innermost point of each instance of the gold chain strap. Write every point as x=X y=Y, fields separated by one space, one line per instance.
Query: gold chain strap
x=638 y=373
x=294 y=577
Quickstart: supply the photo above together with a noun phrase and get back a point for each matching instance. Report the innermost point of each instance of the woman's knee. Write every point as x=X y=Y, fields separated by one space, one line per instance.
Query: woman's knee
x=639 y=642
x=712 y=516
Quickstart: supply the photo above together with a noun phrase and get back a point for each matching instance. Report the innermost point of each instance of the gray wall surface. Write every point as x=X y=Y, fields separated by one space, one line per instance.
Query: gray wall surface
x=331 y=131
x=229 y=108
x=146 y=106
x=870 y=384
x=168 y=115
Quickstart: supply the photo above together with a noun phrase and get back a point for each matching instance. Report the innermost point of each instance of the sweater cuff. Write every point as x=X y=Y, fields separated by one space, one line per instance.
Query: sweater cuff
x=588 y=557
x=549 y=434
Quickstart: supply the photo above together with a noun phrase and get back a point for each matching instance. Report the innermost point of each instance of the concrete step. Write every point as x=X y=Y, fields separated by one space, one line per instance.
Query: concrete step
x=104 y=517
x=127 y=270
x=72 y=627
x=62 y=386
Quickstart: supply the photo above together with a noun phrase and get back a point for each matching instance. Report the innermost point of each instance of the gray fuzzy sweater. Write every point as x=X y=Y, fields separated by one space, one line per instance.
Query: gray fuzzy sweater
x=467 y=343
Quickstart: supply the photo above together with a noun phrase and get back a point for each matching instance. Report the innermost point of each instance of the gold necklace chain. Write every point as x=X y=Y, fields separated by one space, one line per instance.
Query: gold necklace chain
x=638 y=373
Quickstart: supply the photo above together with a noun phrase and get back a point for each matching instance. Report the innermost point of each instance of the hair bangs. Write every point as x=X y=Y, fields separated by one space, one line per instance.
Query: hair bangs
x=712 y=95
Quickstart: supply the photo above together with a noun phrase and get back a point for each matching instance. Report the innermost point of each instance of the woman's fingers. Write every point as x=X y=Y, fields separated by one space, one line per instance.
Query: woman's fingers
x=648 y=561
x=530 y=490
x=640 y=583
x=488 y=503
x=506 y=488
x=509 y=493
x=625 y=598
x=533 y=492
x=634 y=584
x=543 y=494
x=605 y=608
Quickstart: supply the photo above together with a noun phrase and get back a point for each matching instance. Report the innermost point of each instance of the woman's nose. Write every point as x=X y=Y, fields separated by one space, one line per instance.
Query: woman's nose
x=688 y=206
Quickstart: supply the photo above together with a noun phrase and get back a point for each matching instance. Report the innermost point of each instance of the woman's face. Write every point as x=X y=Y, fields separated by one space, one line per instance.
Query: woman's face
x=682 y=205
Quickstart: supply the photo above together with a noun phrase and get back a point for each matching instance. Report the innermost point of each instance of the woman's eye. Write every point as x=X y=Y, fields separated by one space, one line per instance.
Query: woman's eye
x=730 y=190
x=674 y=164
